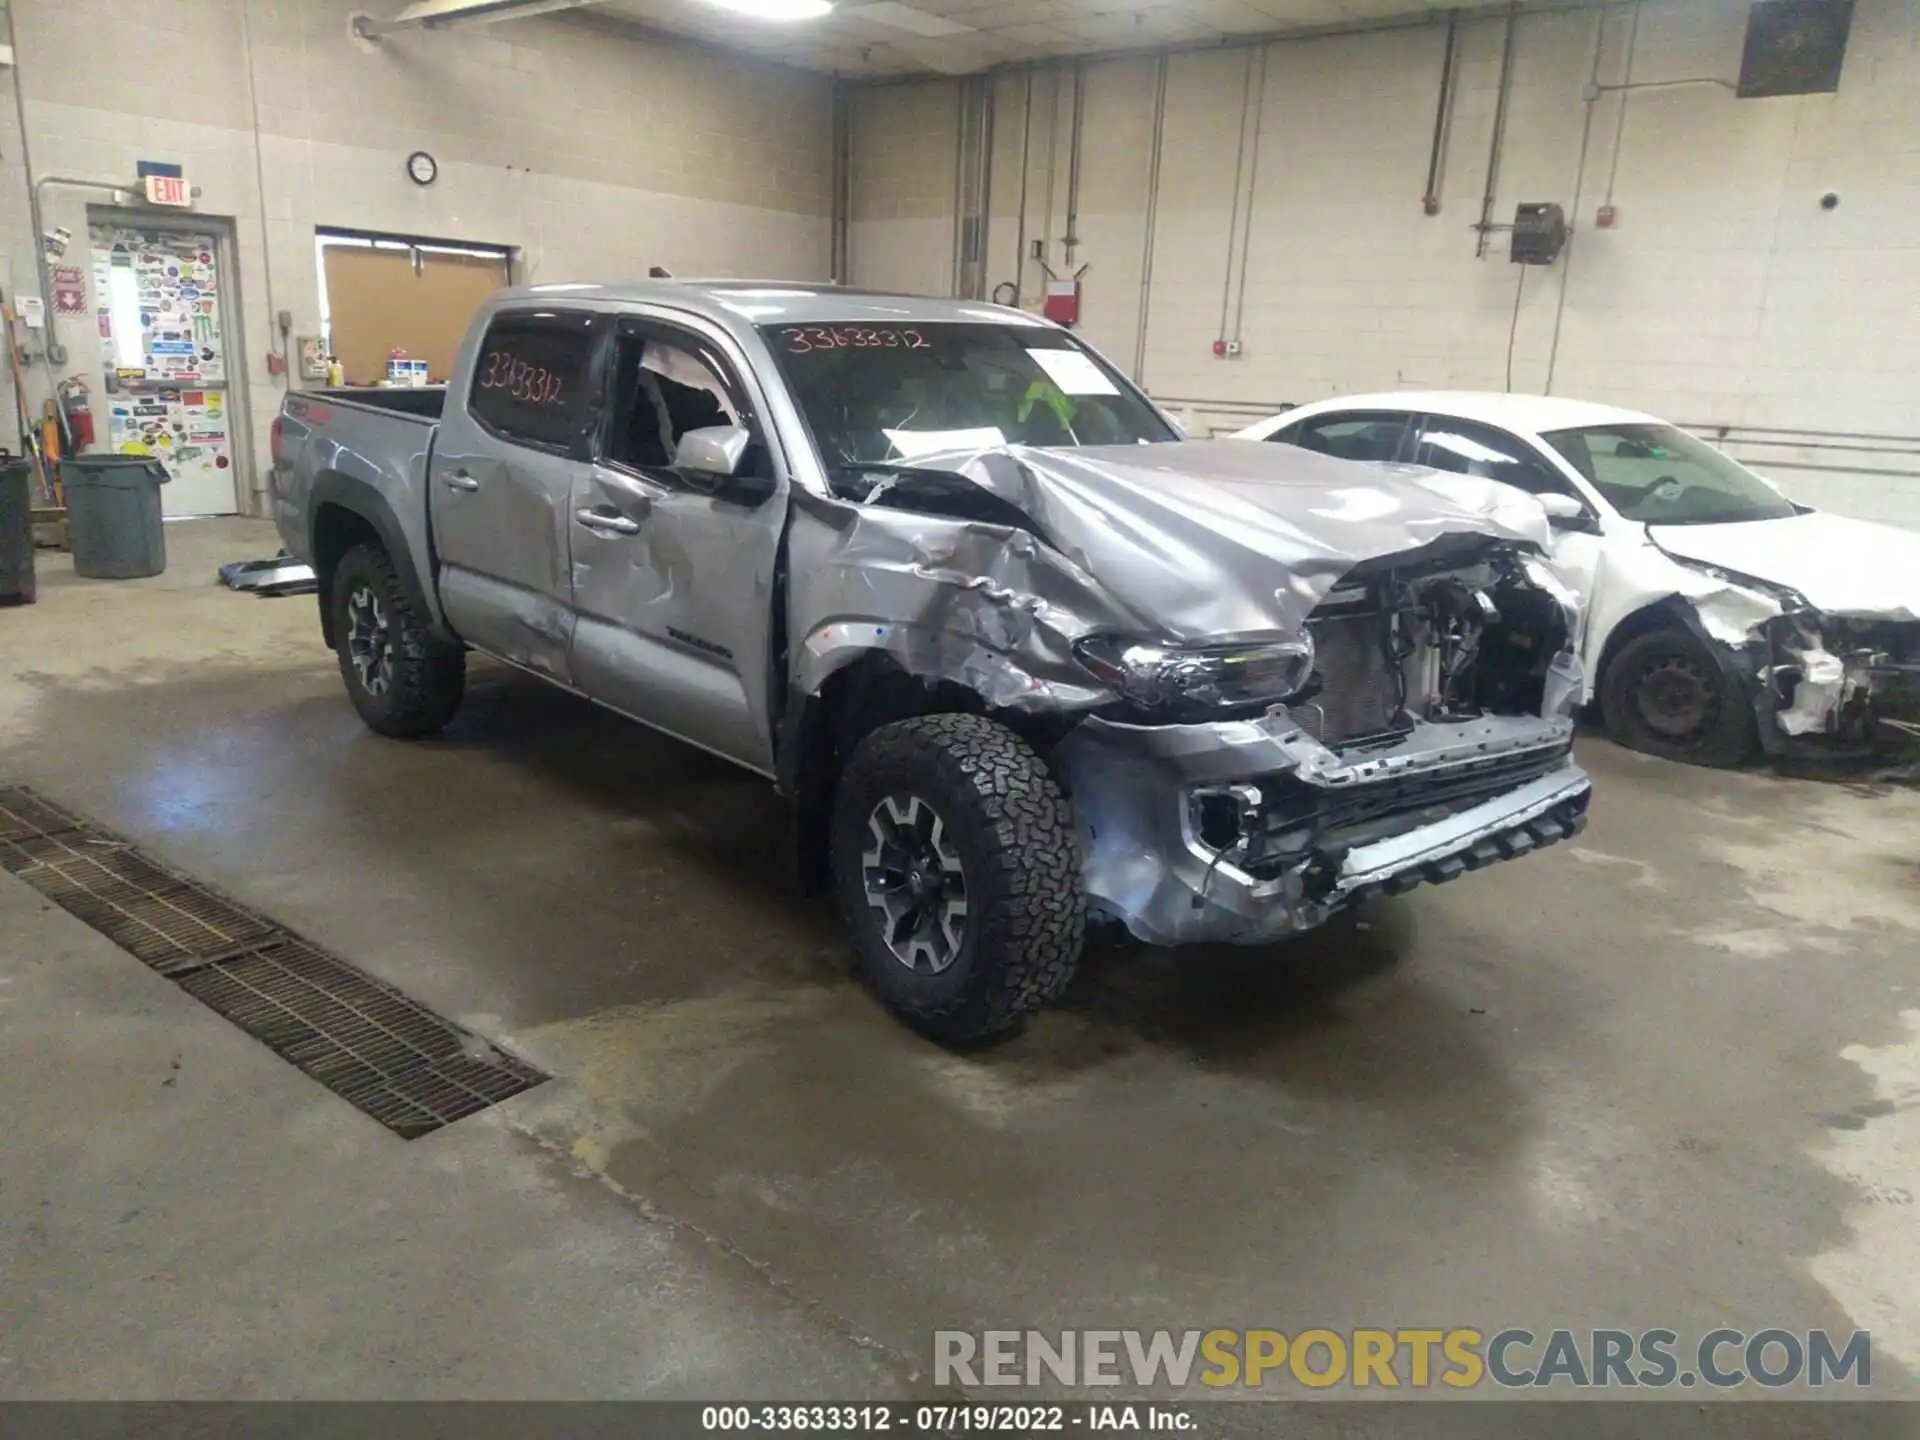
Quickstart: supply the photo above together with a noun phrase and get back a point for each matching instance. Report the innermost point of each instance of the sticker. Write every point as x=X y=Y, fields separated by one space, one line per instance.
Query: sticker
x=106 y=326
x=206 y=437
x=194 y=397
x=1074 y=372
x=33 y=310
x=134 y=447
x=69 y=290
x=130 y=374
x=149 y=409
x=171 y=347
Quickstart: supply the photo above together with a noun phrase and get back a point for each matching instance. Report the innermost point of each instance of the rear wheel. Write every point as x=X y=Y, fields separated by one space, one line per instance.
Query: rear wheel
x=1664 y=694
x=402 y=678
x=957 y=870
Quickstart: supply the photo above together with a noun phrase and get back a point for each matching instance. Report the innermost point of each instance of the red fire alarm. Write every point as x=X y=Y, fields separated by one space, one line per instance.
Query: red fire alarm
x=1605 y=216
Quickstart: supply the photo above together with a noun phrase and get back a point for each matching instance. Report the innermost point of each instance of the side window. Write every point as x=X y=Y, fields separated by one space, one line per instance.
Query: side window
x=1467 y=448
x=661 y=389
x=1369 y=436
x=530 y=382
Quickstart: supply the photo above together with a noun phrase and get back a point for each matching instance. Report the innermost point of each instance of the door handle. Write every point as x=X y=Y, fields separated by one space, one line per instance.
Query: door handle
x=607 y=524
x=461 y=480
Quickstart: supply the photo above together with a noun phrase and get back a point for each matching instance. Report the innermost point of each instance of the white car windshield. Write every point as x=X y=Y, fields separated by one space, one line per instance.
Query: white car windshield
x=1660 y=475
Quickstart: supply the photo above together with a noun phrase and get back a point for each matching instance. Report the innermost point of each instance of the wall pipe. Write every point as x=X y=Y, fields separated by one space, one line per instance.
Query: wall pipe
x=1442 y=112
x=1626 y=84
x=1020 y=231
x=1579 y=188
x=840 y=224
x=1151 y=219
x=1071 y=239
x=1239 y=170
x=1253 y=186
x=1499 y=134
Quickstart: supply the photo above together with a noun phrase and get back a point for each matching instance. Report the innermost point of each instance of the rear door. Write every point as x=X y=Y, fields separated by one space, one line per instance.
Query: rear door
x=513 y=444
x=672 y=578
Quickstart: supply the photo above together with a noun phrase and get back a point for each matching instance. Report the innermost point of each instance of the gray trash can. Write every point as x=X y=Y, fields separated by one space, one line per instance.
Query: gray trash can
x=113 y=515
x=16 y=531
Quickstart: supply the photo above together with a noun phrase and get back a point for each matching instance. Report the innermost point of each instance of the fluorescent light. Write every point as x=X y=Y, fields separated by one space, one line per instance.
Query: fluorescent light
x=775 y=9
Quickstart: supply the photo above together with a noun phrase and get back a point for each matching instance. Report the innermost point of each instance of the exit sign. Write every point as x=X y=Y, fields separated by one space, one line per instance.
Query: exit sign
x=168 y=190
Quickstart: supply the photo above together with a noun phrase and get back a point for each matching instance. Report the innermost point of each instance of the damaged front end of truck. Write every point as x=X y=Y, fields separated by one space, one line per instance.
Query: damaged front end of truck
x=1273 y=684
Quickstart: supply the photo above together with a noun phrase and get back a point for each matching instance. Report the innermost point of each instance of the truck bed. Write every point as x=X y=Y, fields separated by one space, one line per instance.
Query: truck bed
x=425 y=403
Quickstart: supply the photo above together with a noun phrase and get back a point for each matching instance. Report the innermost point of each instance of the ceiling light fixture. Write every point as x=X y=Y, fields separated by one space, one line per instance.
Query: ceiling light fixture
x=775 y=9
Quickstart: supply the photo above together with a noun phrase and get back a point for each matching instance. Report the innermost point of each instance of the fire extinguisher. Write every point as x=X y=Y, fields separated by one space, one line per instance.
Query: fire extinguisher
x=74 y=404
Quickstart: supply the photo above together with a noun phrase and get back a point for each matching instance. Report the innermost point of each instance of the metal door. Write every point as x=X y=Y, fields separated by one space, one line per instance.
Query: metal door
x=160 y=298
x=672 y=583
x=506 y=460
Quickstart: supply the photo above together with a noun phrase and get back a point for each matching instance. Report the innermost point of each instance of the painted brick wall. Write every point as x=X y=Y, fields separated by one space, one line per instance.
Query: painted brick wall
x=594 y=152
x=1725 y=296
x=905 y=149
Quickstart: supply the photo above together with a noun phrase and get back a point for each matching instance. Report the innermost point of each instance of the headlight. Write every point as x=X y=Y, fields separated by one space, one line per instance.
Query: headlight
x=1199 y=677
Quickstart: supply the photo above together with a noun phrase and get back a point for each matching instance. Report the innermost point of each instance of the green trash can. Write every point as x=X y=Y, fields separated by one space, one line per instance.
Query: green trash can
x=16 y=531
x=113 y=515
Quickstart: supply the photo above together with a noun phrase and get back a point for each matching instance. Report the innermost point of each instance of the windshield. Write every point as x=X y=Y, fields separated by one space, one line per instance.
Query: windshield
x=1658 y=475
x=878 y=393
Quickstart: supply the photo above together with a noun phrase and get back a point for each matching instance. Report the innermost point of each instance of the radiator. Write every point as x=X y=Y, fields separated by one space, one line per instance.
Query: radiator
x=1359 y=695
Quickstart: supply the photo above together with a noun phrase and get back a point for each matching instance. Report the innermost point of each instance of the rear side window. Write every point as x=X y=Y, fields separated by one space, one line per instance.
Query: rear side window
x=530 y=381
x=1369 y=436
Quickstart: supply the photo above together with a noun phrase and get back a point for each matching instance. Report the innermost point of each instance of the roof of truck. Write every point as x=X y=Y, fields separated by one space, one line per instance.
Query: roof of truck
x=775 y=302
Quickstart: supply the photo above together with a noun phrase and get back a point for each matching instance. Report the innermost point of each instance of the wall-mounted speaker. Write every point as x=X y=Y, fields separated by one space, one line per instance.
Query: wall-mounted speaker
x=1794 y=47
x=1539 y=234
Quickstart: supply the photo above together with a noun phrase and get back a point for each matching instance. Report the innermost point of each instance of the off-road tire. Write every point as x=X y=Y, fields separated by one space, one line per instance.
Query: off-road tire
x=1726 y=740
x=1014 y=834
x=426 y=675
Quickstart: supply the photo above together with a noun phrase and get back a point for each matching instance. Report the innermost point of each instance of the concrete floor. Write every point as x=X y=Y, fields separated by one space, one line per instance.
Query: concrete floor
x=1665 y=1076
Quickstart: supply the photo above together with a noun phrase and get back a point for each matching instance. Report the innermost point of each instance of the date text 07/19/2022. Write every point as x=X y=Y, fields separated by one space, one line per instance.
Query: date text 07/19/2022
x=936 y=1419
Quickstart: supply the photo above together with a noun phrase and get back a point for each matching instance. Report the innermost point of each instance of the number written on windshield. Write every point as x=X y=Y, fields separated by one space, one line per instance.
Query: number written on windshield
x=807 y=339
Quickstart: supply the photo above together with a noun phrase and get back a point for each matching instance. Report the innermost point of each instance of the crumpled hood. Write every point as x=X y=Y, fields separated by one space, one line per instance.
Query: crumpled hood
x=1842 y=566
x=1211 y=538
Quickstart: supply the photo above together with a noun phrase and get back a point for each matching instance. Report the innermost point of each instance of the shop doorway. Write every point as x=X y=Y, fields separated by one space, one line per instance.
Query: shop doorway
x=163 y=295
x=385 y=298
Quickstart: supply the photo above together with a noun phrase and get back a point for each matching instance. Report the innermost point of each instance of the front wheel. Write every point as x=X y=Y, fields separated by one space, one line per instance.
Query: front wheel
x=402 y=678
x=1664 y=694
x=957 y=870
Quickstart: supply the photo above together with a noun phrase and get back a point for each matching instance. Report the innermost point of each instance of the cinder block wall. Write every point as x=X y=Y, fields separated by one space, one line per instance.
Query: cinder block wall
x=592 y=151
x=1725 y=296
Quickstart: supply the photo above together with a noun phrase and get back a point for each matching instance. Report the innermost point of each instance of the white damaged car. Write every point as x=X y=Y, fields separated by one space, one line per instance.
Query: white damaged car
x=1723 y=620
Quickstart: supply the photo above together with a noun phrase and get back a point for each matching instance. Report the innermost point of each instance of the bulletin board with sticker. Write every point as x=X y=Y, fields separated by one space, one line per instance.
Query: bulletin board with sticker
x=158 y=296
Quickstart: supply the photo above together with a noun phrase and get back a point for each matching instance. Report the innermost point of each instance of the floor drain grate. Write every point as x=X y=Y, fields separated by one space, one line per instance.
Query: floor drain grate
x=381 y=1051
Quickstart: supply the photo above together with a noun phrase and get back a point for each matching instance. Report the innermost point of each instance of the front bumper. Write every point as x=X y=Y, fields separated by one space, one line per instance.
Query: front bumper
x=1248 y=831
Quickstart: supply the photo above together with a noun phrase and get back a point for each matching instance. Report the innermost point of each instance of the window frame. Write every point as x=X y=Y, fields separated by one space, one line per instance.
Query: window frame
x=645 y=329
x=1287 y=434
x=1551 y=464
x=592 y=380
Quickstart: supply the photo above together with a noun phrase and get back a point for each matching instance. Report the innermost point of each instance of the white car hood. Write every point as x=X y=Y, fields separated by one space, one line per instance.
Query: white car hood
x=1842 y=566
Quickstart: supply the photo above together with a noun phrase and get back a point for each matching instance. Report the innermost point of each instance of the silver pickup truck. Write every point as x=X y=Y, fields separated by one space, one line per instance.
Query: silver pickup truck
x=1018 y=654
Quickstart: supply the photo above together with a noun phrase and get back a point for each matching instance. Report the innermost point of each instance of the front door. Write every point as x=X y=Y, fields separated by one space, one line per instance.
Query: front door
x=673 y=583
x=160 y=299
x=505 y=464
